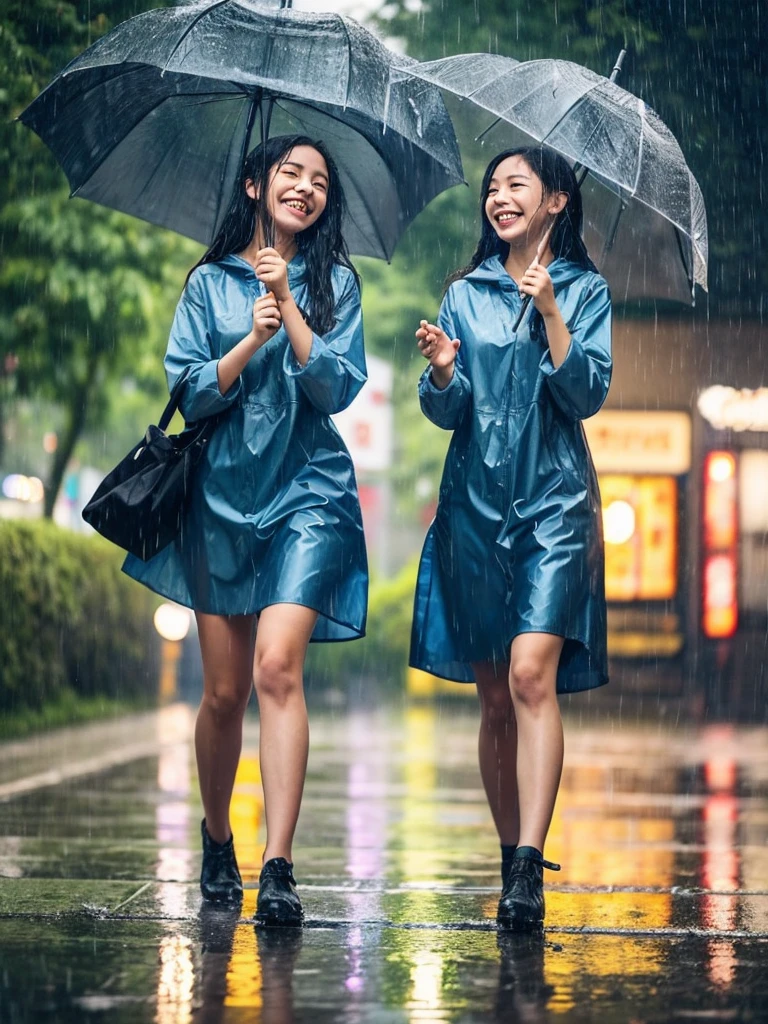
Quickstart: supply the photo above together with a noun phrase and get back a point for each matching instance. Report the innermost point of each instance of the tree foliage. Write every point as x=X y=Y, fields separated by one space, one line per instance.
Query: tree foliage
x=85 y=293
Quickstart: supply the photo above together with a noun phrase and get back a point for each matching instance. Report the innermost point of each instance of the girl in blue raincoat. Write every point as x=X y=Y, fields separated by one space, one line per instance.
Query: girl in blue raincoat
x=510 y=591
x=271 y=553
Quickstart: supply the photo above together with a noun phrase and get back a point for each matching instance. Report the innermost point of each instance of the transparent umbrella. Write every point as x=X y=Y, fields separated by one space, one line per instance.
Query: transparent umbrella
x=156 y=117
x=642 y=205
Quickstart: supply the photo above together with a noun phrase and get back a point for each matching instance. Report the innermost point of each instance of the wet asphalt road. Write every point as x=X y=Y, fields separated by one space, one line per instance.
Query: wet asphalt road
x=659 y=914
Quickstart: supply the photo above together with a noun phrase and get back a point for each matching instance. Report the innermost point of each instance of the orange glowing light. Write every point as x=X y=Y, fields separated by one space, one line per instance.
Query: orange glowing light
x=720 y=773
x=721 y=466
x=720 y=506
x=720 y=604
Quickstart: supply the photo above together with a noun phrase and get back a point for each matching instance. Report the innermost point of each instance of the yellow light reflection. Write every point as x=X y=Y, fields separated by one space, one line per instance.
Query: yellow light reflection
x=246 y=811
x=244 y=974
x=419 y=811
x=426 y=983
x=598 y=842
x=417 y=856
x=172 y=827
x=176 y=981
x=602 y=958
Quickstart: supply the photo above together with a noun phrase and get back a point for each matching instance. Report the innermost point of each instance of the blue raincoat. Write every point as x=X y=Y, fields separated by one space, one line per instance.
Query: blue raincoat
x=516 y=545
x=274 y=515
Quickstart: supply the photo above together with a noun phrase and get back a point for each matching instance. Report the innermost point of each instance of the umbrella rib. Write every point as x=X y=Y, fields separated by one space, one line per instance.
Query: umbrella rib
x=109 y=152
x=566 y=112
x=349 y=54
x=188 y=29
x=641 y=145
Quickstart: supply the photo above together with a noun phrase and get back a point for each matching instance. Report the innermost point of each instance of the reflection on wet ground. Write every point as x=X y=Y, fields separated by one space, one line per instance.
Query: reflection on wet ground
x=660 y=912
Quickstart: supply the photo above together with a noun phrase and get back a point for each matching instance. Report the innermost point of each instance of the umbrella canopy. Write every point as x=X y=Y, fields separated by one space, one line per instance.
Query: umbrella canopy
x=156 y=117
x=642 y=205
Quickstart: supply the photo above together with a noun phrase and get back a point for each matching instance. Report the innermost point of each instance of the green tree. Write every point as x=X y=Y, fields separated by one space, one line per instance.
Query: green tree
x=85 y=292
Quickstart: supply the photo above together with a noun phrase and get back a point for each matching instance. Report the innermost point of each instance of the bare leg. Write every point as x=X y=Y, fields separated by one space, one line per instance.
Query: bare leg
x=532 y=679
x=226 y=643
x=281 y=645
x=497 y=748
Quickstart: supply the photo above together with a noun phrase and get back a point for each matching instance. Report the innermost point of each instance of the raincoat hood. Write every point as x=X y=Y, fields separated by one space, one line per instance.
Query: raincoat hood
x=492 y=269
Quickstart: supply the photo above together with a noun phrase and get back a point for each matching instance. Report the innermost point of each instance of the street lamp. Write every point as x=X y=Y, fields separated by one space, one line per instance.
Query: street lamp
x=172 y=623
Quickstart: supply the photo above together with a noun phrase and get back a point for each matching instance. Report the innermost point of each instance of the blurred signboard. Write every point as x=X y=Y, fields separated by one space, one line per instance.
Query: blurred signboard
x=734 y=408
x=753 y=491
x=366 y=426
x=640 y=442
x=640 y=520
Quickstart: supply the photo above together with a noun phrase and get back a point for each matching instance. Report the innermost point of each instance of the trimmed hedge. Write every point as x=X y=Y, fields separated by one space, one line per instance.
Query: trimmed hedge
x=70 y=621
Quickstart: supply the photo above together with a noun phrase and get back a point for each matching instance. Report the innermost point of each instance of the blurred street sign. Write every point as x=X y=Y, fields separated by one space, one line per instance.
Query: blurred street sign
x=640 y=442
x=366 y=426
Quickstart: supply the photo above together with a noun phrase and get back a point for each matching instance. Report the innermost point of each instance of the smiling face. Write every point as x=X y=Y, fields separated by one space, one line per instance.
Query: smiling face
x=516 y=205
x=297 y=192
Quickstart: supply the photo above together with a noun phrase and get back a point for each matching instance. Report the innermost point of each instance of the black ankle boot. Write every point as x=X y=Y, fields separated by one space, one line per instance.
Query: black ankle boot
x=521 y=907
x=220 y=880
x=507 y=856
x=278 y=902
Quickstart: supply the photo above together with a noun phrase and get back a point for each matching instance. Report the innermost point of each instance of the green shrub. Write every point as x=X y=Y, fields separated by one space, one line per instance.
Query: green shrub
x=70 y=620
x=382 y=655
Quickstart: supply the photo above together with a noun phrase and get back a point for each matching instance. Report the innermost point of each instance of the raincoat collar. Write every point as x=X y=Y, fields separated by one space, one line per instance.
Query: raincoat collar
x=492 y=270
x=237 y=265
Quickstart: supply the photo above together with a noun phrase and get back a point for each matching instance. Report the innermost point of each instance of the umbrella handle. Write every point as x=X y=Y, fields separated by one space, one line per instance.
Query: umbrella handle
x=539 y=253
x=581 y=172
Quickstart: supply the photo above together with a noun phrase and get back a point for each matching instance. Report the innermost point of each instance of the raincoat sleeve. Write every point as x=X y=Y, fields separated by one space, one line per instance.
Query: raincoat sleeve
x=446 y=407
x=335 y=370
x=580 y=384
x=189 y=345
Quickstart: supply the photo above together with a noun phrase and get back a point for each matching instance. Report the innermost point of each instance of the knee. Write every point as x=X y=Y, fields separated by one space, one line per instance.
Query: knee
x=276 y=677
x=496 y=708
x=530 y=684
x=226 y=699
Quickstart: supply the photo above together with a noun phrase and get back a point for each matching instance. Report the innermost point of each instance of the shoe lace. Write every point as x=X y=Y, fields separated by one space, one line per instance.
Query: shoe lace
x=549 y=864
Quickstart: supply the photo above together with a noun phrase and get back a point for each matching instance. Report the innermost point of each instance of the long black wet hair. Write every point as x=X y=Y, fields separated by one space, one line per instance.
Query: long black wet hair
x=555 y=175
x=321 y=244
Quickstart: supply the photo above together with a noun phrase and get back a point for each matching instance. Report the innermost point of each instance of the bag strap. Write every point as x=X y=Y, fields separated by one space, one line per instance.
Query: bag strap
x=173 y=401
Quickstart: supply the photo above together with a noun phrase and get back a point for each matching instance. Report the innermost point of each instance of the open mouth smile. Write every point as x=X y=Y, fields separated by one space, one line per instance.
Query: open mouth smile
x=298 y=205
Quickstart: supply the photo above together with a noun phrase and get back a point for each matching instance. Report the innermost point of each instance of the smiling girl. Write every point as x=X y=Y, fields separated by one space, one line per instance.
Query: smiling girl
x=510 y=592
x=271 y=553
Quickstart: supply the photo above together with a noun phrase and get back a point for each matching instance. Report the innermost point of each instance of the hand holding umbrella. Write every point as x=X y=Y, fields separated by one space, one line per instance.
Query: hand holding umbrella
x=531 y=279
x=641 y=202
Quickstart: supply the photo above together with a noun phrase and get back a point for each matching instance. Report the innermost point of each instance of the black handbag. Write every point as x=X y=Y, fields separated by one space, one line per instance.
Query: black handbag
x=139 y=505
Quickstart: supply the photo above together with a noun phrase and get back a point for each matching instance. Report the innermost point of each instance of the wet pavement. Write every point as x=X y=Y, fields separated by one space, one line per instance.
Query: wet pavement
x=659 y=914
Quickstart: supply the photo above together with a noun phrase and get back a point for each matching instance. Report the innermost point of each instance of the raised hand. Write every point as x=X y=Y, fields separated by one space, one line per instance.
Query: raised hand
x=435 y=345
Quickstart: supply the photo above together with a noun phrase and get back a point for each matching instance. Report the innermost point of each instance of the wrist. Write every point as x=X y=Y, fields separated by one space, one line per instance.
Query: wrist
x=441 y=376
